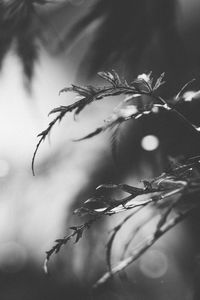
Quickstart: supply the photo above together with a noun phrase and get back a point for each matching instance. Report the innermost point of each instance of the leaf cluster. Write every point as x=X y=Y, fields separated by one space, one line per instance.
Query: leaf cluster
x=126 y=110
x=172 y=190
x=17 y=23
x=132 y=107
x=173 y=194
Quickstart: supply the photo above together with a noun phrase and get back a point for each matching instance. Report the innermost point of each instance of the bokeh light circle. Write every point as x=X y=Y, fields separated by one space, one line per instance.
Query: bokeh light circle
x=150 y=142
x=153 y=264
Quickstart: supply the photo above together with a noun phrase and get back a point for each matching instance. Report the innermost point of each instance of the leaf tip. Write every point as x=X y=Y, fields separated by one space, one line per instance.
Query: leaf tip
x=45 y=266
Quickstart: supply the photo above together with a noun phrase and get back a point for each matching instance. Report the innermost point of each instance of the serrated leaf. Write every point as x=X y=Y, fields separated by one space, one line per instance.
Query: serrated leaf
x=121 y=113
x=159 y=82
x=111 y=77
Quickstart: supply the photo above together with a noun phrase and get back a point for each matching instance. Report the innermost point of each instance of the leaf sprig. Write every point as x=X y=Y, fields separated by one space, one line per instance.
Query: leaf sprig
x=167 y=192
x=175 y=190
x=76 y=234
x=132 y=107
x=142 y=85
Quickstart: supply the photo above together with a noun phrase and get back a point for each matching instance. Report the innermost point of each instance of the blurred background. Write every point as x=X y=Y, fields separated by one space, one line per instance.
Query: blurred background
x=45 y=46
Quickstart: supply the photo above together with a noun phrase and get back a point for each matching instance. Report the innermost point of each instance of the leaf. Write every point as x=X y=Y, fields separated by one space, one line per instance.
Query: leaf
x=134 y=191
x=180 y=93
x=159 y=82
x=93 y=206
x=121 y=113
x=144 y=82
x=111 y=77
x=92 y=134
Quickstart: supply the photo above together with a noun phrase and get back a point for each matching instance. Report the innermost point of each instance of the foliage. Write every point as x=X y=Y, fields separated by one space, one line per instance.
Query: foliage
x=112 y=42
x=124 y=30
x=125 y=111
x=173 y=194
x=17 y=24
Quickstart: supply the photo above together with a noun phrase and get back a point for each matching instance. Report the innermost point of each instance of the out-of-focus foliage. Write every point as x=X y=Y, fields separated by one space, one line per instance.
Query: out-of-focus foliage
x=131 y=34
x=19 y=24
x=127 y=34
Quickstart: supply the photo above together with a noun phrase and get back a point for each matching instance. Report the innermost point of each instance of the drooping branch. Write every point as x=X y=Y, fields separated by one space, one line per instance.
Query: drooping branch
x=165 y=192
x=170 y=188
x=129 y=108
x=140 y=249
x=140 y=86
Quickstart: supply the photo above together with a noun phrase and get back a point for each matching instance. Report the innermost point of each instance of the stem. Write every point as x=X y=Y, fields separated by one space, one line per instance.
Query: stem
x=143 y=247
x=179 y=115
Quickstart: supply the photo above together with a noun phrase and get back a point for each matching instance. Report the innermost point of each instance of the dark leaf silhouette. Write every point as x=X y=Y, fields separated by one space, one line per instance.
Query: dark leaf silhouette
x=126 y=110
x=166 y=193
x=19 y=23
x=173 y=185
x=126 y=30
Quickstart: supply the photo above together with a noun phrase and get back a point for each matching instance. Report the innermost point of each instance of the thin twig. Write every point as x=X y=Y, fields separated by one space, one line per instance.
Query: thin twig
x=143 y=247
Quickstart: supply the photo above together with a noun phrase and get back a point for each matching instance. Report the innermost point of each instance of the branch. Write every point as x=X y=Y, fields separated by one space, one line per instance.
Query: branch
x=142 y=85
x=143 y=247
x=115 y=231
x=77 y=234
